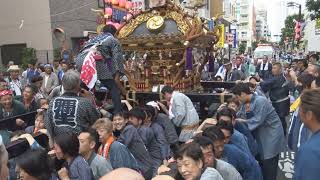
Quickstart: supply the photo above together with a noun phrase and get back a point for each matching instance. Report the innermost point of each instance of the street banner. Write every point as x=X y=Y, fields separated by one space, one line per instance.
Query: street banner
x=220 y=43
x=234 y=33
x=317 y=28
x=88 y=73
x=210 y=25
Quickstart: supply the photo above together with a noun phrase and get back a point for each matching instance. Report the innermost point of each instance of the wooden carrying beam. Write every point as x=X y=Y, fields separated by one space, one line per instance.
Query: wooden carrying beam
x=195 y=97
x=203 y=99
x=217 y=84
x=10 y=123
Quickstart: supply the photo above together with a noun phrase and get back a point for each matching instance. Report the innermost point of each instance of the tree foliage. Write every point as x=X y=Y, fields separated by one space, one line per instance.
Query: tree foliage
x=288 y=31
x=56 y=53
x=242 y=48
x=314 y=7
x=28 y=56
x=254 y=45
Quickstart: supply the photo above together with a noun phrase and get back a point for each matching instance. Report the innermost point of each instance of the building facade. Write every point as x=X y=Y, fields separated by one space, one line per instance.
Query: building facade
x=262 y=28
x=311 y=36
x=32 y=22
x=246 y=26
x=75 y=18
x=25 y=24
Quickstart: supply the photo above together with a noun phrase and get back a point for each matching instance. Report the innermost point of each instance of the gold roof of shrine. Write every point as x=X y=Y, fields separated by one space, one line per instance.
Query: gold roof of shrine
x=176 y=26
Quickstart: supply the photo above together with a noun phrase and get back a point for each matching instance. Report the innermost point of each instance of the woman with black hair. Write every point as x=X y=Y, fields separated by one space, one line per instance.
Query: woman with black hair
x=191 y=164
x=66 y=147
x=35 y=164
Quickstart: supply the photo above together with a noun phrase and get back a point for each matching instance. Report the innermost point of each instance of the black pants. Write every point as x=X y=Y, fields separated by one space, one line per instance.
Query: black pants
x=282 y=109
x=269 y=168
x=115 y=94
x=284 y=125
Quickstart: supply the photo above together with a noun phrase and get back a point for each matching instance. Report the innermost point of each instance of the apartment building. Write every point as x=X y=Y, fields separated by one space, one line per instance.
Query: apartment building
x=246 y=18
x=262 y=28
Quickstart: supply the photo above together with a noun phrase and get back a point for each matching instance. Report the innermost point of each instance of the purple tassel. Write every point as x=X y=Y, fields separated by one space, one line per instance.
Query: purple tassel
x=211 y=63
x=189 y=59
x=109 y=63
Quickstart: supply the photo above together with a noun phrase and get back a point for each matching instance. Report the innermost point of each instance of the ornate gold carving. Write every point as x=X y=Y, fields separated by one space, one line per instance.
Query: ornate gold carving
x=182 y=25
x=135 y=22
x=155 y=23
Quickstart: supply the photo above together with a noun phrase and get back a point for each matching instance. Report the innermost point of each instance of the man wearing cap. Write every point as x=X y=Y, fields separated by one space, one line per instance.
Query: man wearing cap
x=14 y=82
x=50 y=80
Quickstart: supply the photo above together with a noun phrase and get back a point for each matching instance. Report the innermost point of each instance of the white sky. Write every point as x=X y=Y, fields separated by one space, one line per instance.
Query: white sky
x=276 y=13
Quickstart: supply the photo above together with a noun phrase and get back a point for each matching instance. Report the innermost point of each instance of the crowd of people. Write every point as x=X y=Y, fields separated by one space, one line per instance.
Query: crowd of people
x=95 y=135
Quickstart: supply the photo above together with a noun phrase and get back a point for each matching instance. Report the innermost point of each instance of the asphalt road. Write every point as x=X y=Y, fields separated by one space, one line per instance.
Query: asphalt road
x=286 y=163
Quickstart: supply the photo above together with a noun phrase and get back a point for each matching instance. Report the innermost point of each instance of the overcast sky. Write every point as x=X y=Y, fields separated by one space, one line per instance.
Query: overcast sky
x=276 y=13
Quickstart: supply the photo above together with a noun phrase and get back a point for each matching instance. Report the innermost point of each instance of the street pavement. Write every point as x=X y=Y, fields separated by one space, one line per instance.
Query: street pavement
x=286 y=162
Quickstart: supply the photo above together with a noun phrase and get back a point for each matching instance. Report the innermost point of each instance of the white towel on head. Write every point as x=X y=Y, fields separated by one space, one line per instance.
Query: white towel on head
x=153 y=104
x=266 y=67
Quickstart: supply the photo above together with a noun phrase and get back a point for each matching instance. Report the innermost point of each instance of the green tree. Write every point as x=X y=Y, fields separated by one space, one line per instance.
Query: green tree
x=28 y=56
x=263 y=41
x=314 y=7
x=254 y=45
x=288 y=30
x=56 y=53
x=242 y=48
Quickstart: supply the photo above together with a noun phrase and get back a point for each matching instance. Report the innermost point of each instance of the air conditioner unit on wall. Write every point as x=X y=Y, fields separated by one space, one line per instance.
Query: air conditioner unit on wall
x=87 y=33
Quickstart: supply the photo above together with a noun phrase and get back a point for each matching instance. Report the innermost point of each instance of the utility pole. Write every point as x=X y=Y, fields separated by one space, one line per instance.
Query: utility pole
x=300 y=18
x=229 y=45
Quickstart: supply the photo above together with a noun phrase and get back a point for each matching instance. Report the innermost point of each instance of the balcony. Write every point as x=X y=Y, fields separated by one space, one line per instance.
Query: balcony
x=244 y=20
x=244 y=12
x=243 y=38
x=243 y=28
x=244 y=4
